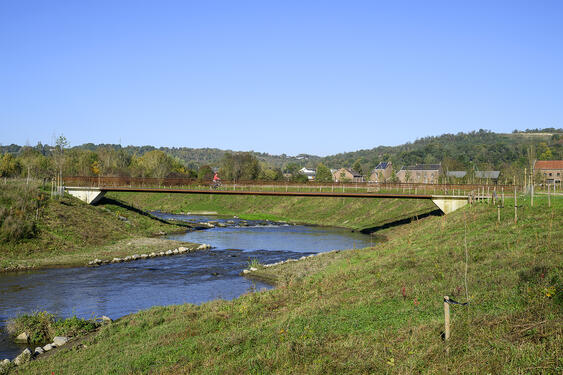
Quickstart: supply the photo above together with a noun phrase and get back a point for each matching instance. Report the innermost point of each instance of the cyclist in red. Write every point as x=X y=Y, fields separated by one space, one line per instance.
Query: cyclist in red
x=216 y=181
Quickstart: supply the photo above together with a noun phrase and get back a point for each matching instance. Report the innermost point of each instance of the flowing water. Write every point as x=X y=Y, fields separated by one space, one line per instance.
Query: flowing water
x=119 y=289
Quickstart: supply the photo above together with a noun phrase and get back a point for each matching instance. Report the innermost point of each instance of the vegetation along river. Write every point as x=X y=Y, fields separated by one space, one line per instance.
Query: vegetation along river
x=123 y=288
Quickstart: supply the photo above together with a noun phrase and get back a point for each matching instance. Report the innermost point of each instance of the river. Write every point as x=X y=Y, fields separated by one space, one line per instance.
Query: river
x=119 y=289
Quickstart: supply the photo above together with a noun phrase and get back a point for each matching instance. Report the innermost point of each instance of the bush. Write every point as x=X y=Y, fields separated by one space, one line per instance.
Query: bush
x=19 y=205
x=74 y=326
x=42 y=326
x=39 y=326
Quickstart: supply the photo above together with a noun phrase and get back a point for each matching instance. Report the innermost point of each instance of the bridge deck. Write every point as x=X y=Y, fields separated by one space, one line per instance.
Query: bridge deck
x=279 y=193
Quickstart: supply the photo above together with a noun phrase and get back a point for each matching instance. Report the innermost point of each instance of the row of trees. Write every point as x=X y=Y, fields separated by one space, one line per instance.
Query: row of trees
x=59 y=160
x=482 y=150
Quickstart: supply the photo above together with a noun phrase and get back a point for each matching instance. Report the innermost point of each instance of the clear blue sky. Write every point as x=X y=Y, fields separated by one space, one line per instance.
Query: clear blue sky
x=291 y=77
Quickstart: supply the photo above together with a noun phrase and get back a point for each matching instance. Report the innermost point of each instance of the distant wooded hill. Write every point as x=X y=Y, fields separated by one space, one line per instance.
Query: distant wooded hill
x=462 y=151
x=480 y=150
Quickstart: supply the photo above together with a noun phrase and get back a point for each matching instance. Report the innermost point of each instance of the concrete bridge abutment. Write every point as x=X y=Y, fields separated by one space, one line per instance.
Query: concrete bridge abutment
x=88 y=195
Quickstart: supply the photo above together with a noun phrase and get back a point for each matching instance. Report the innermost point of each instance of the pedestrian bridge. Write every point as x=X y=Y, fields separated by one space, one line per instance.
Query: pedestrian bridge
x=446 y=203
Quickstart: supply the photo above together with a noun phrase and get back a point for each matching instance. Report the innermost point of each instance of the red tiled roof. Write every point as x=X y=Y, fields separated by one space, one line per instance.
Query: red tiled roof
x=549 y=164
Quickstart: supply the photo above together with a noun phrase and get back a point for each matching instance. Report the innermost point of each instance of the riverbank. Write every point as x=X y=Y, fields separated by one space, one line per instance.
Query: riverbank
x=373 y=310
x=69 y=232
x=351 y=213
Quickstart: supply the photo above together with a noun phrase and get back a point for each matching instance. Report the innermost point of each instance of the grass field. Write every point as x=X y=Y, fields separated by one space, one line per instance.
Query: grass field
x=370 y=311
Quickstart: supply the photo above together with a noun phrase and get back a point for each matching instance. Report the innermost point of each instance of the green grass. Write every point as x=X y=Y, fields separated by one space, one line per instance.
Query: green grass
x=353 y=213
x=368 y=311
x=42 y=327
x=67 y=231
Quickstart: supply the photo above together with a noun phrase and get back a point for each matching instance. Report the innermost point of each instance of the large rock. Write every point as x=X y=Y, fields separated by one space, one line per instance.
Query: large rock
x=38 y=350
x=24 y=357
x=106 y=320
x=48 y=347
x=22 y=338
x=60 y=340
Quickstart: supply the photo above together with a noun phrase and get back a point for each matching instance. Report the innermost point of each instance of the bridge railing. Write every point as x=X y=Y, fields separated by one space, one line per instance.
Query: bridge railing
x=420 y=188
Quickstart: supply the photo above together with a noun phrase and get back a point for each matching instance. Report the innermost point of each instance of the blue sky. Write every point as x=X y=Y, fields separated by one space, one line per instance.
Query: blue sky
x=317 y=77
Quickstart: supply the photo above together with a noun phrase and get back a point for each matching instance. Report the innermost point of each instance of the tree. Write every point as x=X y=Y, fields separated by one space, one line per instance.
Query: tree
x=240 y=166
x=204 y=173
x=158 y=164
x=357 y=166
x=9 y=166
x=323 y=173
x=292 y=168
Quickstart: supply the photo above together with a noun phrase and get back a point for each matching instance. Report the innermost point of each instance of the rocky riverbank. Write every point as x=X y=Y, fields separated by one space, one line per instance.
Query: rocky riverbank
x=27 y=355
x=130 y=258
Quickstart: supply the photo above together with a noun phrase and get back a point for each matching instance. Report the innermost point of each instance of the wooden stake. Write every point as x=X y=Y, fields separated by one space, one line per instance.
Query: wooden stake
x=548 y=195
x=515 y=207
x=446 y=318
x=488 y=195
x=498 y=214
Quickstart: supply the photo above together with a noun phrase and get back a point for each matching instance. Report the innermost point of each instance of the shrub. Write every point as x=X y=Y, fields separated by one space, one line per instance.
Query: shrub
x=42 y=326
x=38 y=325
x=19 y=207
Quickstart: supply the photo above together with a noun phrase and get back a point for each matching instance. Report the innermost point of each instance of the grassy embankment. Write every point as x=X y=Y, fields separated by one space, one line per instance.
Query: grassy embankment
x=368 y=311
x=36 y=231
x=353 y=213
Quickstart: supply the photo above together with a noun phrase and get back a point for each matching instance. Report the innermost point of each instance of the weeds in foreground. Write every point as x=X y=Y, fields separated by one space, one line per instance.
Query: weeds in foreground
x=254 y=263
x=42 y=326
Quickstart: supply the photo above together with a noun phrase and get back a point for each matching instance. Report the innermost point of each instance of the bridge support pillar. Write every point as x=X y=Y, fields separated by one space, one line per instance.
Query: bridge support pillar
x=88 y=195
x=448 y=204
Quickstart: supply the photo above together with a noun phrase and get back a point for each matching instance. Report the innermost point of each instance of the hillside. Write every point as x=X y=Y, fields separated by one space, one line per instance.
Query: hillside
x=480 y=149
x=37 y=231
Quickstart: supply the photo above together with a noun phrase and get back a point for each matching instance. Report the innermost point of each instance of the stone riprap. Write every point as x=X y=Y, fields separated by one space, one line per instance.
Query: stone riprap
x=22 y=338
x=24 y=357
x=253 y=269
x=128 y=258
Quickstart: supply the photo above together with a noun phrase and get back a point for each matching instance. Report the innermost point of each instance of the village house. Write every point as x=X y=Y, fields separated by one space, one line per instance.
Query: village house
x=420 y=173
x=549 y=170
x=455 y=176
x=487 y=176
x=382 y=172
x=347 y=175
x=310 y=173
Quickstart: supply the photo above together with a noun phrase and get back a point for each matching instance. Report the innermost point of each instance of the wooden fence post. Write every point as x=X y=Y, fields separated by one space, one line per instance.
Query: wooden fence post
x=446 y=318
x=515 y=207
x=548 y=195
